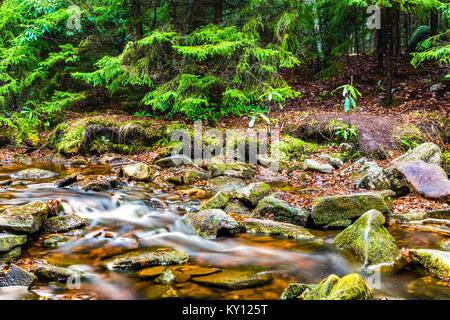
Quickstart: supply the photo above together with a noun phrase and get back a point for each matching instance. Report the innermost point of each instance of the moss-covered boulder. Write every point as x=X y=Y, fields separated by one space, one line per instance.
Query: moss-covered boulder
x=253 y=193
x=10 y=256
x=27 y=218
x=141 y=259
x=240 y=170
x=137 y=171
x=211 y=223
x=368 y=240
x=278 y=210
x=312 y=165
x=371 y=177
x=280 y=229
x=218 y=201
x=63 y=223
x=49 y=272
x=236 y=207
x=235 y=278
x=435 y=262
x=408 y=217
x=420 y=34
x=175 y=161
x=193 y=176
x=9 y=241
x=33 y=174
x=350 y=287
x=295 y=290
x=226 y=184
x=326 y=210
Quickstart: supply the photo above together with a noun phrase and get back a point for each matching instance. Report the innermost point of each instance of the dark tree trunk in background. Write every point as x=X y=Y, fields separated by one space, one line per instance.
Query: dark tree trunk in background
x=137 y=17
x=155 y=5
x=380 y=39
x=389 y=44
x=433 y=22
x=173 y=13
x=405 y=26
x=218 y=7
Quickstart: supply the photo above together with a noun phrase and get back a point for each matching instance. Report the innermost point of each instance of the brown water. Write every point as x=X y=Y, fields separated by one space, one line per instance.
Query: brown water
x=127 y=223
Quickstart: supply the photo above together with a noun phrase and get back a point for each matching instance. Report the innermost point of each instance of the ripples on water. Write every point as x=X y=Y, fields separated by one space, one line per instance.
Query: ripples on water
x=129 y=224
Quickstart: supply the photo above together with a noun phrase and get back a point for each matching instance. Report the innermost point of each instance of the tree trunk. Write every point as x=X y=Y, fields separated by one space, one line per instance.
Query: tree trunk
x=389 y=44
x=137 y=17
x=173 y=13
x=405 y=26
x=218 y=7
x=433 y=22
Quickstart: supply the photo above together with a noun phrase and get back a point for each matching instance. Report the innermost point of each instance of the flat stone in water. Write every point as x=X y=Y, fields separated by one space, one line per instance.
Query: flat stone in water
x=279 y=210
x=235 y=278
x=27 y=218
x=33 y=174
x=9 y=241
x=211 y=223
x=48 y=272
x=63 y=223
x=141 y=259
x=151 y=272
x=435 y=262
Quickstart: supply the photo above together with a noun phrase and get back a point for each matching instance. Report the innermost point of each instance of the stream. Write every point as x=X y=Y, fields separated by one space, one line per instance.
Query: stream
x=122 y=220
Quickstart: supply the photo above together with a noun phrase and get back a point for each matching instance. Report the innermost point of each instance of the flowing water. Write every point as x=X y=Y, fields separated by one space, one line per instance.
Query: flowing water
x=121 y=220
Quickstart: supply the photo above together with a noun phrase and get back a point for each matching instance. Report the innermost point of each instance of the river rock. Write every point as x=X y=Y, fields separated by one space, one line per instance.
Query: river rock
x=294 y=290
x=9 y=241
x=435 y=262
x=345 y=147
x=27 y=218
x=253 y=193
x=141 y=259
x=444 y=245
x=175 y=161
x=218 y=201
x=193 y=176
x=226 y=184
x=371 y=177
x=350 y=287
x=443 y=213
x=33 y=174
x=67 y=181
x=49 y=272
x=236 y=207
x=408 y=217
x=312 y=165
x=137 y=171
x=335 y=162
x=240 y=170
x=54 y=241
x=326 y=210
x=17 y=276
x=280 y=229
x=279 y=210
x=63 y=223
x=11 y=255
x=211 y=223
x=78 y=162
x=427 y=152
x=235 y=278
x=428 y=180
x=368 y=240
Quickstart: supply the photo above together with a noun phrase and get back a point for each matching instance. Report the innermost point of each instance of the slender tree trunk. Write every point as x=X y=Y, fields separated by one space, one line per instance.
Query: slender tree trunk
x=433 y=22
x=389 y=38
x=405 y=27
x=218 y=7
x=137 y=16
x=155 y=5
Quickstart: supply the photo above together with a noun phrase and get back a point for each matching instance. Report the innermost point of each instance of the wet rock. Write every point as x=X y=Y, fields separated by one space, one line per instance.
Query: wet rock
x=49 y=272
x=33 y=174
x=426 y=179
x=95 y=185
x=9 y=241
x=226 y=184
x=335 y=162
x=78 y=162
x=371 y=177
x=340 y=224
x=27 y=218
x=193 y=176
x=279 y=210
x=326 y=210
x=63 y=223
x=5 y=183
x=193 y=270
x=295 y=290
x=211 y=223
x=253 y=193
x=443 y=213
x=444 y=245
x=368 y=240
x=161 y=291
x=11 y=255
x=141 y=259
x=350 y=287
x=176 y=180
x=345 y=147
x=54 y=241
x=175 y=161
x=273 y=180
x=280 y=229
x=218 y=201
x=435 y=262
x=410 y=216
x=67 y=181
x=239 y=170
x=427 y=152
x=312 y=165
x=166 y=277
x=137 y=171
x=235 y=278
x=17 y=276
x=155 y=204
x=236 y=207
x=151 y=272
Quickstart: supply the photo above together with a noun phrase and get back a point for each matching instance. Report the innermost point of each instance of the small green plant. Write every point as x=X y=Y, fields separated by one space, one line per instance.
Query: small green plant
x=350 y=94
x=143 y=113
x=346 y=133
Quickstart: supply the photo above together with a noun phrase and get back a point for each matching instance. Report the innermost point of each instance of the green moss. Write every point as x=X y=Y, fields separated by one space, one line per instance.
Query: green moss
x=290 y=148
x=219 y=201
x=408 y=136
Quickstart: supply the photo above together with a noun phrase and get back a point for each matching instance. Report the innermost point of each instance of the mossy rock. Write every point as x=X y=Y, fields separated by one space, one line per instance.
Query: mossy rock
x=253 y=193
x=33 y=174
x=193 y=176
x=63 y=223
x=218 y=201
x=211 y=223
x=435 y=262
x=238 y=170
x=49 y=272
x=294 y=290
x=279 y=210
x=9 y=241
x=236 y=207
x=27 y=218
x=327 y=210
x=444 y=245
x=226 y=184
x=350 y=287
x=368 y=240
x=137 y=171
x=141 y=259
x=235 y=278
x=10 y=256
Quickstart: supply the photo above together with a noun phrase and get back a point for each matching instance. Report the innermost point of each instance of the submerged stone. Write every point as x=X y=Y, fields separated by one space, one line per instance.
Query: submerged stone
x=141 y=259
x=17 y=276
x=27 y=218
x=9 y=241
x=435 y=262
x=368 y=240
x=218 y=201
x=33 y=174
x=63 y=223
x=235 y=278
x=137 y=171
x=278 y=210
x=54 y=241
x=253 y=193
x=326 y=210
x=211 y=223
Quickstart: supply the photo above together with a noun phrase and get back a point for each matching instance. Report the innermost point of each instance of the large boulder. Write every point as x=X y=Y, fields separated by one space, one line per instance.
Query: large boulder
x=240 y=170
x=426 y=179
x=253 y=193
x=312 y=165
x=11 y=255
x=226 y=184
x=211 y=223
x=33 y=174
x=326 y=210
x=371 y=177
x=17 y=276
x=63 y=223
x=350 y=287
x=274 y=228
x=218 y=201
x=435 y=262
x=9 y=241
x=49 y=272
x=27 y=218
x=278 y=210
x=137 y=171
x=141 y=259
x=193 y=176
x=368 y=240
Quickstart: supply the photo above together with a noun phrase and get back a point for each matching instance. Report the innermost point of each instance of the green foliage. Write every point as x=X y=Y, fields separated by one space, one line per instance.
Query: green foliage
x=350 y=94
